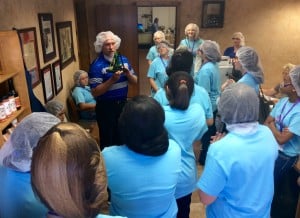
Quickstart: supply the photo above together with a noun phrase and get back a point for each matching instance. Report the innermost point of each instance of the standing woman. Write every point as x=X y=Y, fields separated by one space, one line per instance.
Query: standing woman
x=157 y=71
x=208 y=77
x=109 y=76
x=284 y=122
x=185 y=124
x=153 y=51
x=192 y=41
x=238 y=40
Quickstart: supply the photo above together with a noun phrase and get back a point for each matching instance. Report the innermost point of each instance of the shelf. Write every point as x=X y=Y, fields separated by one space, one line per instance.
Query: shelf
x=8 y=120
x=5 y=77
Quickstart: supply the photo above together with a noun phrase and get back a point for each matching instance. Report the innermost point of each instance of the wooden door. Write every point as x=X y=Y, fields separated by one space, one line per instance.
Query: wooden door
x=122 y=21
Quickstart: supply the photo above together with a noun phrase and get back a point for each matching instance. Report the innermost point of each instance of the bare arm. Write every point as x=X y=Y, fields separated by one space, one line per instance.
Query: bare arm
x=205 y=198
x=209 y=121
x=86 y=106
x=281 y=137
x=103 y=87
x=153 y=84
x=132 y=79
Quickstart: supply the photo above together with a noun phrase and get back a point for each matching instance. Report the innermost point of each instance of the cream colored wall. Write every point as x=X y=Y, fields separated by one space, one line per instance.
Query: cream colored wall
x=22 y=14
x=270 y=26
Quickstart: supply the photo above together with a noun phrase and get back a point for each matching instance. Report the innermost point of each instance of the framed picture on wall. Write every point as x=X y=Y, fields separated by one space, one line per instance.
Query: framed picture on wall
x=65 y=43
x=47 y=83
x=47 y=36
x=213 y=14
x=58 y=84
x=30 y=54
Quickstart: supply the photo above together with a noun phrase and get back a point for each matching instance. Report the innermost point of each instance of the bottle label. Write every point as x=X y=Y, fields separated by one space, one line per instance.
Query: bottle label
x=12 y=104
x=18 y=102
x=2 y=112
x=7 y=108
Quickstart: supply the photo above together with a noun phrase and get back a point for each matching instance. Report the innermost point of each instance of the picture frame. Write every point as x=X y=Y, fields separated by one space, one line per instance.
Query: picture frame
x=213 y=14
x=47 y=83
x=30 y=53
x=65 y=43
x=47 y=36
x=56 y=70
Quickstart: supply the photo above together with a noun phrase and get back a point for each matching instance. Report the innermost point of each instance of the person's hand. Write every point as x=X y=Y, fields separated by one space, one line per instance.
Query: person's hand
x=116 y=76
x=227 y=83
x=217 y=137
x=126 y=71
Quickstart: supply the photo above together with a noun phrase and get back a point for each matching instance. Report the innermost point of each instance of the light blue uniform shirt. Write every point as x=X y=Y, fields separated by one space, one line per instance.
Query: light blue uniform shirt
x=157 y=71
x=141 y=185
x=291 y=121
x=239 y=172
x=209 y=78
x=16 y=196
x=84 y=95
x=185 y=127
x=152 y=53
x=199 y=96
x=249 y=80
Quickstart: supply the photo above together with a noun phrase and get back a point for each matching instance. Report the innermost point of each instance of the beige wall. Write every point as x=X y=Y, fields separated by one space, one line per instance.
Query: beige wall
x=23 y=14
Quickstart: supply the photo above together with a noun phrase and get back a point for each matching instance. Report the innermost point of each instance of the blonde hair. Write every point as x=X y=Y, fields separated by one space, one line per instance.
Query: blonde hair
x=194 y=27
x=159 y=34
x=68 y=172
x=240 y=36
x=288 y=67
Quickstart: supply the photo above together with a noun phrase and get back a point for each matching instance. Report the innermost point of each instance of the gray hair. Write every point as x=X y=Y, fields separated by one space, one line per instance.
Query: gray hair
x=76 y=77
x=102 y=37
x=159 y=34
x=295 y=78
x=16 y=153
x=164 y=43
x=54 y=107
x=238 y=103
x=240 y=36
x=249 y=60
x=211 y=50
x=194 y=27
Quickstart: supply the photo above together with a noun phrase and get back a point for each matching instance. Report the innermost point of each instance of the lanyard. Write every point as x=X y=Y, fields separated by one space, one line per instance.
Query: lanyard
x=281 y=118
x=165 y=65
x=188 y=44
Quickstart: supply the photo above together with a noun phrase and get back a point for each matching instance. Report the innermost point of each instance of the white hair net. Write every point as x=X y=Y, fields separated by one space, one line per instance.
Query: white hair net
x=54 y=107
x=249 y=60
x=238 y=103
x=76 y=76
x=102 y=37
x=211 y=50
x=295 y=78
x=16 y=153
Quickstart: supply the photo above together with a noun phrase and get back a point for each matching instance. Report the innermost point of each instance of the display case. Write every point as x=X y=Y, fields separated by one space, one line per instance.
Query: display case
x=11 y=67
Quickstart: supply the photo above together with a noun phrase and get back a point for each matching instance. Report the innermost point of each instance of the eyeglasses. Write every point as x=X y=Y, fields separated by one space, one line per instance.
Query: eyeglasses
x=236 y=39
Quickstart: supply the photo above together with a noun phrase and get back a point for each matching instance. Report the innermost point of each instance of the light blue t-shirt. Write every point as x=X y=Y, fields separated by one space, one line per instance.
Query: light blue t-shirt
x=292 y=121
x=209 y=78
x=191 y=45
x=16 y=196
x=141 y=185
x=249 y=80
x=199 y=96
x=84 y=95
x=152 y=53
x=185 y=127
x=239 y=172
x=157 y=71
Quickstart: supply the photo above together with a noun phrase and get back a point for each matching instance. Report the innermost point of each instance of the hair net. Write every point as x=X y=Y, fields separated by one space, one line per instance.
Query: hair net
x=16 y=153
x=249 y=60
x=76 y=76
x=240 y=36
x=238 y=103
x=211 y=50
x=102 y=37
x=295 y=78
x=54 y=107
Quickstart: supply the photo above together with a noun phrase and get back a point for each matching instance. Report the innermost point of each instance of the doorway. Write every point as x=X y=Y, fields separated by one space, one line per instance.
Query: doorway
x=168 y=19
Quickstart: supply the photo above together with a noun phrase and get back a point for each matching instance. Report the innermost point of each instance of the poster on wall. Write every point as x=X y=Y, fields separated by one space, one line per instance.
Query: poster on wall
x=47 y=36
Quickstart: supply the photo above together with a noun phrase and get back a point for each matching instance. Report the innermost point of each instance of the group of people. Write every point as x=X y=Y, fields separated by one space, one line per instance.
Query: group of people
x=146 y=160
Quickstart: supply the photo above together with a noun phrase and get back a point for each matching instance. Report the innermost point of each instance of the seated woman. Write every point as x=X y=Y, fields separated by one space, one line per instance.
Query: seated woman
x=56 y=108
x=83 y=97
x=16 y=196
x=68 y=173
x=147 y=165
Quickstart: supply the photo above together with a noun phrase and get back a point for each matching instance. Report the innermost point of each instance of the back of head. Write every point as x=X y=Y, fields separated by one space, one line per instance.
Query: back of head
x=54 y=107
x=77 y=75
x=295 y=78
x=240 y=36
x=141 y=126
x=238 y=103
x=249 y=60
x=181 y=60
x=68 y=172
x=16 y=153
x=102 y=37
x=211 y=50
x=179 y=89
